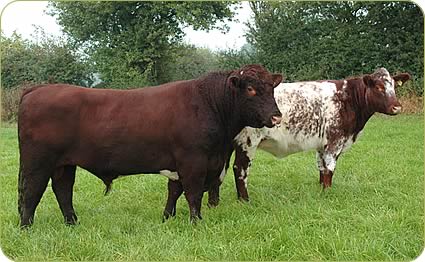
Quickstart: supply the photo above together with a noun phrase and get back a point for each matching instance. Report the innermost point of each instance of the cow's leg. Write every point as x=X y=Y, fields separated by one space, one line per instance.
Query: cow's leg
x=62 y=183
x=328 y=161
x=320 y=165
x=175 y=189
x=241 y=172
x=32 y=184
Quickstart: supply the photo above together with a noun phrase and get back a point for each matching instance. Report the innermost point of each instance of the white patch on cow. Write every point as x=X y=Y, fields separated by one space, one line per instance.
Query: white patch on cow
x=308 y=111
x=344 y=86
x=244 y=178
x=223 y=174
x=330 y=161
x=249 y=138
x=171 y=175
x=319 y=162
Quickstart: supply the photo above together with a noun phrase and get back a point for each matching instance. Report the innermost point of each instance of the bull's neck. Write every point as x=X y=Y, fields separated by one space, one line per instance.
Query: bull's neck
x=359 y=103
x=221 y=101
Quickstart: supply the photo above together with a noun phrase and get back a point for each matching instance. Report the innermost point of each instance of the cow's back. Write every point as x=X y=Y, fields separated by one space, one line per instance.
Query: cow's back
x=310 y=110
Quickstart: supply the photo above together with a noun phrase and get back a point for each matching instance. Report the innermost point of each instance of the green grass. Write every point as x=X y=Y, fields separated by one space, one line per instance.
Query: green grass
x=374 y=211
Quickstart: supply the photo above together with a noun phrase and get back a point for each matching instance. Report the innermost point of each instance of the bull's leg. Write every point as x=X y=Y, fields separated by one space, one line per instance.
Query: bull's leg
x=194 y=198
x=62 y=184
x=214 y=194
x=241 y=171
x=193 y=173
x=175 y=189
x=33 y=183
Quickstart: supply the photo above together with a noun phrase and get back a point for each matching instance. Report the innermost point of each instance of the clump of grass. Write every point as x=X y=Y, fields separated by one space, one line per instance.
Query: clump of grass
x=374 y=210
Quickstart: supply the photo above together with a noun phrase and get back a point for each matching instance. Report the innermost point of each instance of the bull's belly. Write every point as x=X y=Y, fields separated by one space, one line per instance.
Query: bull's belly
x=283 y=144
x=120 y=162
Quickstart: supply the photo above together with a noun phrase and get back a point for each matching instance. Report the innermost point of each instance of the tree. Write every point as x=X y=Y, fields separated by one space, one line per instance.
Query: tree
x=317 y=40
x=130 y=42
x=47 y=59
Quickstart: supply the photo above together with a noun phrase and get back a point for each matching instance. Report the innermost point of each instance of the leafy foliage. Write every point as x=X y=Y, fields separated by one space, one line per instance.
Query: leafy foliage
x=133 y=41
x=316 y=40
x=46 y=59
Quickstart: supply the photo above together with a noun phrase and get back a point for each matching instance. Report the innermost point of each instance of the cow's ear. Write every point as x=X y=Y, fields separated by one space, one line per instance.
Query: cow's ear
x=402 y=78
x=277 y=79
x=234 y=81
x=369 y=81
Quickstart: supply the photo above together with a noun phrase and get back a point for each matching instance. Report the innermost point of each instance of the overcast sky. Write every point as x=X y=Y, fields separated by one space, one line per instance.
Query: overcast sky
x=21 y=16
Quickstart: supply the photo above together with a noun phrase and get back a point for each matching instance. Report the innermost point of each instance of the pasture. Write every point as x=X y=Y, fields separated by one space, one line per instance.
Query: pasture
x=374 y=210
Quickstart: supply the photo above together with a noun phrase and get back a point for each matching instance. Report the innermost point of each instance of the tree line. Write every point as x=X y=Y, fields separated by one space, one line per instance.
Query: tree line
x=135 y=44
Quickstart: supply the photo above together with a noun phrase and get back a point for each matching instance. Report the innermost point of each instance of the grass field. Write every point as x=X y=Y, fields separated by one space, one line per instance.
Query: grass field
x=374 y=211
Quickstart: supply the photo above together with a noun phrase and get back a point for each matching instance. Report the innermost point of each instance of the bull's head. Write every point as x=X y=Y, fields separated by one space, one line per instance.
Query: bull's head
x=380 y=92
x=255 y=88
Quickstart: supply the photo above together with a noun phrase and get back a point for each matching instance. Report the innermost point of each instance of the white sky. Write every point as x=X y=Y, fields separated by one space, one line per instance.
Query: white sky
x=22 y=15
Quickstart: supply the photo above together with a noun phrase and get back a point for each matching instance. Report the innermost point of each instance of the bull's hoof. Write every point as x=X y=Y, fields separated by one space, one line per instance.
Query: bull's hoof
x=194 y=219
x=243 y=199
x=167 y=215
x=25 y=226
x=71 y=220
x=212 y=204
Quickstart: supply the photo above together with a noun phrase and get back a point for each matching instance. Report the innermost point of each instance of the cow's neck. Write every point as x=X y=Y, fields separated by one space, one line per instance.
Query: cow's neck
x=359 y=103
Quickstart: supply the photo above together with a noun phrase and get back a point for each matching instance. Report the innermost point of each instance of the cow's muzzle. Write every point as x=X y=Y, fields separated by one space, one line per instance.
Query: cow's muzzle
x=276 y=120
x=396 y=110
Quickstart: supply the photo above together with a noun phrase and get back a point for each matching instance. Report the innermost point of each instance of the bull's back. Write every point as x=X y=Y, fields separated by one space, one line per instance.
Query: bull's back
x=101 y=130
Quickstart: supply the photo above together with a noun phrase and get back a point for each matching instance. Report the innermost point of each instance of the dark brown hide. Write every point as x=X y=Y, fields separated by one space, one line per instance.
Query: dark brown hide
x=185 y=127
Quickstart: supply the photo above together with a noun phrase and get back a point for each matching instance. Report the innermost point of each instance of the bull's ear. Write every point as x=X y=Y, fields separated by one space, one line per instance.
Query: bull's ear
x=277 y=79
x=369 y=81
x=402 y=78
x=234 y=81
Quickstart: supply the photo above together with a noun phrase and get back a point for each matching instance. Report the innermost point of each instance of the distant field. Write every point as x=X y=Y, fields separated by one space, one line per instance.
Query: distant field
x=374 y=211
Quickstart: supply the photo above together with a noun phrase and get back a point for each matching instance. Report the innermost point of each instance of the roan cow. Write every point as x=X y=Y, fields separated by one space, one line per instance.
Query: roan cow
x=326 y=116
x=184 y=128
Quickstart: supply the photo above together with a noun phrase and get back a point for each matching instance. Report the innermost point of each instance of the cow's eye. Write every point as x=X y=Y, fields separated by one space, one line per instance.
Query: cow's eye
x=381 y=88
x=251 y=91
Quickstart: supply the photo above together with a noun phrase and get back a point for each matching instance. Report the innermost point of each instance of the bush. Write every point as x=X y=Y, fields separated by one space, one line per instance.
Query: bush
x=10 y=103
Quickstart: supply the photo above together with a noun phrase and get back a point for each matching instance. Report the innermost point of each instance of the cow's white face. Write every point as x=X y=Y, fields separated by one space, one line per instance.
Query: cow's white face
x=381 y=91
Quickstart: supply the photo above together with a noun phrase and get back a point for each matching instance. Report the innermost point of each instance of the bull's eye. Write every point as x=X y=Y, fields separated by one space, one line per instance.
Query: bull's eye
x=251 y=91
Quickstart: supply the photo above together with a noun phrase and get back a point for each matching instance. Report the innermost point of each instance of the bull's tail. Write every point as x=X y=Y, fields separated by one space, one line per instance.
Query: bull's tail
x=20 y=190
x=108 y=185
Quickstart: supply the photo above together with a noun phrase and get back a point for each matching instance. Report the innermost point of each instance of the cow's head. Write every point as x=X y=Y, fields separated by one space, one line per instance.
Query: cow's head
x=255 y=89
x=380 y=92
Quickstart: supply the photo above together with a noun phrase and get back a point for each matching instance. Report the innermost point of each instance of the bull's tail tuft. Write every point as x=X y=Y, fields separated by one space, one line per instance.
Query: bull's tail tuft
x=108 y=184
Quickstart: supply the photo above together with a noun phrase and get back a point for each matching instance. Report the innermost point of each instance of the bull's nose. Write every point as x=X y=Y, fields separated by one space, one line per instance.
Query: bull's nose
x=396 y=109
x=276 y=120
